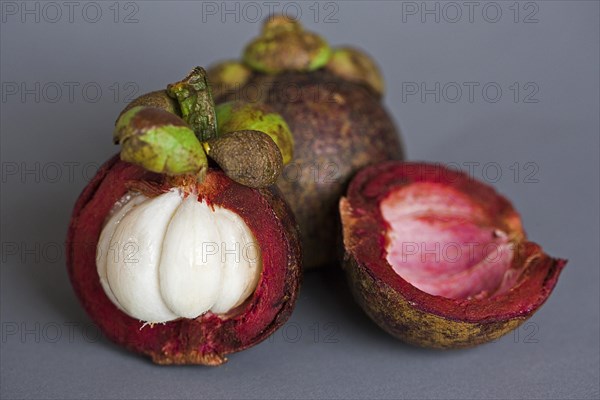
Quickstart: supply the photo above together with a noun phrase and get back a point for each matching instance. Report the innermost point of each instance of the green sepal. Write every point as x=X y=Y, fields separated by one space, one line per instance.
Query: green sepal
x=235 y=116
x=159 y=142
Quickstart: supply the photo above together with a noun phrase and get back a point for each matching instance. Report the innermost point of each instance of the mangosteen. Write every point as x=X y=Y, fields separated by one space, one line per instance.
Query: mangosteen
x=438 y=259
x=331 y=98
x=180 y=248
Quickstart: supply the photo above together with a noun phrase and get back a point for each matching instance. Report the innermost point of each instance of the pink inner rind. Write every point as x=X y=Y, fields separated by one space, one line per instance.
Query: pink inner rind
x=444 y=244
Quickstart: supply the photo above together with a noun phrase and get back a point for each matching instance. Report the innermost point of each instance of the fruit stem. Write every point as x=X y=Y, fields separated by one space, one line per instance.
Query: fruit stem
x=196 y=103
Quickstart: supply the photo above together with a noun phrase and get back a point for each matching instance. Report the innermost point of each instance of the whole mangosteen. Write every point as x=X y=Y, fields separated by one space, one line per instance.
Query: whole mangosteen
x=332 y=101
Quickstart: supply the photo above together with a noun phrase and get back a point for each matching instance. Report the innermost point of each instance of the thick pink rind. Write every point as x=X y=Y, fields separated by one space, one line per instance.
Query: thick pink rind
x=207 y=339
x=416 y=316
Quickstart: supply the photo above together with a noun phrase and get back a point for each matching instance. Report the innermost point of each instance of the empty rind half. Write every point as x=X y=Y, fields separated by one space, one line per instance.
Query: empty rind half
x=438 y=259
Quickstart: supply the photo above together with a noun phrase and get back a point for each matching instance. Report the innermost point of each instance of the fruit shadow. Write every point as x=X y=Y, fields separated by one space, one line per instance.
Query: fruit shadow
x=330 y=291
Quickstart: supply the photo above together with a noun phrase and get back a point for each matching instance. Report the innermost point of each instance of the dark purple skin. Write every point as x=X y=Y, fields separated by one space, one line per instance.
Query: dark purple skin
x=339 y=127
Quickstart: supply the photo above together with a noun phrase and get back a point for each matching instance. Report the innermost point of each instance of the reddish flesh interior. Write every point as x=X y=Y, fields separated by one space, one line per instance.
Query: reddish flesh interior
x=441 y=242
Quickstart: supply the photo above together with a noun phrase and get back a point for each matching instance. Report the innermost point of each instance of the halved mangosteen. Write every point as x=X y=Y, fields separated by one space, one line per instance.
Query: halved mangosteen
x=438 y=259
x=180 y=270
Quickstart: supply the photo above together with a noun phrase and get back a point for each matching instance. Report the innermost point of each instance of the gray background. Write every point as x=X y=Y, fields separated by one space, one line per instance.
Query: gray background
x=328 y=349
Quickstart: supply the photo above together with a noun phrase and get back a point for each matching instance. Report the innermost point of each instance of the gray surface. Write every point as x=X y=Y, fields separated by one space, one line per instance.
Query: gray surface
x=555 y=356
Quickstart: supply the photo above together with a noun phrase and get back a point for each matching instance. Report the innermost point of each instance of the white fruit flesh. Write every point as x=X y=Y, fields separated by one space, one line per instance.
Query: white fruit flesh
x=172 y=256
x=103 y=249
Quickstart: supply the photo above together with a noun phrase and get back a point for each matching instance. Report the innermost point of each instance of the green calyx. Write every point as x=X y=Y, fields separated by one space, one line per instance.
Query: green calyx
x=237 y=116
x=356 y=66
x=284 y=45
x=227 y=76
x=173 y=131
x=196 y=103
x=160 y=142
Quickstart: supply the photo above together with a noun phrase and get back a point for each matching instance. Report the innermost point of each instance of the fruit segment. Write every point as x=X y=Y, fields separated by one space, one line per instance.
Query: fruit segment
x=241 y=261
x=132 y=275
x=104 y=251
x=190 y=274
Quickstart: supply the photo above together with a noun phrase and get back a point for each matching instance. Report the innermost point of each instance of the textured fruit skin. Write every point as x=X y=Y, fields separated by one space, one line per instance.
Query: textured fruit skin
x=339 y=127
x=410 y=314
x=209 y=338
